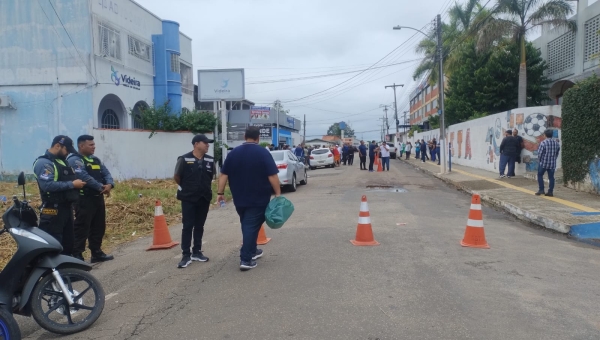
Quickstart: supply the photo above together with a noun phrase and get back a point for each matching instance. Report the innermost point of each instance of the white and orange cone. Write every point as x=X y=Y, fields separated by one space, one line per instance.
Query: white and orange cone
x=474 y=233
x=162 y=237
x=364 y=232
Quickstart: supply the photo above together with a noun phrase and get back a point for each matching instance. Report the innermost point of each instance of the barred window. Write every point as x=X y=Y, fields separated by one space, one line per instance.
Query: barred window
x=561 y=53
x=109 y=40
x=110 y=120
x=140 y=49
x=592 y=39
x=187 y=79
x=175 y=63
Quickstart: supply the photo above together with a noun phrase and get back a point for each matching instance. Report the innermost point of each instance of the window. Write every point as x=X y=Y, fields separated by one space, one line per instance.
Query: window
x=110 y=120
x=137 y=122
x=277 y=156
x=109 y=40
x=175 y=65
x=187 y=79
x=592 y=39
x=561 y=53
x=140 y=49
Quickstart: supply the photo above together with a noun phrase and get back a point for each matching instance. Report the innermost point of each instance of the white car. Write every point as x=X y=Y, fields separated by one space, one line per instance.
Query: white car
x=291 y=171
x=321 y=158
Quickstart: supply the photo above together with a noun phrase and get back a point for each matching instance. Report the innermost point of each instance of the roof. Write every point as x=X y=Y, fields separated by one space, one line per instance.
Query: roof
x=318 y=140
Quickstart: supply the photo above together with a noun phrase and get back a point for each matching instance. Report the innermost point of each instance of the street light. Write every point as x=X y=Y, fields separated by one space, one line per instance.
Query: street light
x=441 y=87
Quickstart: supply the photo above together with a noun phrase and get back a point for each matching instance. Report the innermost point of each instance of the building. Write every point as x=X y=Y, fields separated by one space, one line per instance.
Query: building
x=266 y=119
x=74 y=66
x=572 y=56
x=423 y=102
x=319 y=143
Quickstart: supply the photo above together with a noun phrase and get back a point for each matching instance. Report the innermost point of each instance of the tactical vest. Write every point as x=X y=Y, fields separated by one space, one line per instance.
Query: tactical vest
x=62 y=173
x=93 y=168
x=196 y=178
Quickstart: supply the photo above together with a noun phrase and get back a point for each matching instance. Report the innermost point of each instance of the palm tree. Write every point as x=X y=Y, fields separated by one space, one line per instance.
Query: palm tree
x=515 y=18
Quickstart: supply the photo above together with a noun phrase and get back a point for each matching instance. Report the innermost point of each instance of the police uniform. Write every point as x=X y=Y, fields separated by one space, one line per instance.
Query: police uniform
x=55 y=181
x=195 y=194
x=90 y=211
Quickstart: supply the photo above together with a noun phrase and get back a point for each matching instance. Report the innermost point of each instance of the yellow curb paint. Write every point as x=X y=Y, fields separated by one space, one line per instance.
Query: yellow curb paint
x=510 y=186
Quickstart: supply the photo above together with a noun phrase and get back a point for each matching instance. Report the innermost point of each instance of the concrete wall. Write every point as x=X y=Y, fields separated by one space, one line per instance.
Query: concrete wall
x=476 y=143
x=131 y=154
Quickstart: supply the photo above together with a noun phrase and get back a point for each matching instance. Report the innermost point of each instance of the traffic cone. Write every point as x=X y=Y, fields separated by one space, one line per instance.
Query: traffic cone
x=364 y=233
x=262 y=236
x=474 y=234
x=162 y=237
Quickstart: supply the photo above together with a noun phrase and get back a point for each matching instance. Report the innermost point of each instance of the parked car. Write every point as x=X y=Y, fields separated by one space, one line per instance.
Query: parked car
x=291 y=170
x=321 y=158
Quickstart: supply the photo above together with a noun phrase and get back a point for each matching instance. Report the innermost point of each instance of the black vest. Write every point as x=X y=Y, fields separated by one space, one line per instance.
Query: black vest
x=92 y=167
x=62 y=173
x=196 y=178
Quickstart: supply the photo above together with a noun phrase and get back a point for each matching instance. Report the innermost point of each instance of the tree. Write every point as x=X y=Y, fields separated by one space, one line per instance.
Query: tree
x=514 y=18
x=277 y=105
x=334 y=130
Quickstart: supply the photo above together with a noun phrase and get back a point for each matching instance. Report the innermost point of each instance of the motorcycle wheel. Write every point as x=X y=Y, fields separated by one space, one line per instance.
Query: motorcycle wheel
x=50 y=308
x=9 y=328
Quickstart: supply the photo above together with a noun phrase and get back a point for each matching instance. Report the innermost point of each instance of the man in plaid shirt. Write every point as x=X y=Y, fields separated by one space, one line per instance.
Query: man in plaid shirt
x=547 y=155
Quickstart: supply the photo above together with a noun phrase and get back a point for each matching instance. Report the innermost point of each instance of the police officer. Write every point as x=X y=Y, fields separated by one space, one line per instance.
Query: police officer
x=90 y=212
x=193 y=174
x=59 y=190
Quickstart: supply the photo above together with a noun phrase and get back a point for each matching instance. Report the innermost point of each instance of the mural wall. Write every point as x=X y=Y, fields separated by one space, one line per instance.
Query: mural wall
x=476 y=143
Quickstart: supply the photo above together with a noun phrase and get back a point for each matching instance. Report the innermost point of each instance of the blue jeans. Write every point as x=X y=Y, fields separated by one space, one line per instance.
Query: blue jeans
x=251 y=219
x=433 y=154
x=504 y=160
x=540 y=177
x=385 y=161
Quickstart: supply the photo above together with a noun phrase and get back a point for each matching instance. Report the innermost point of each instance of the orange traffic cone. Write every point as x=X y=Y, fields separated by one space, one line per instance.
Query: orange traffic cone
x=262 y=236
x=364 y=233
x=474 y=234
x=162 y=238
x=378 y=160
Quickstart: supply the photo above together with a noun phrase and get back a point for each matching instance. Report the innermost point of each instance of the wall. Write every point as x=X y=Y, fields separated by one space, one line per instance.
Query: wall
x=476 y=143
x=131 y=154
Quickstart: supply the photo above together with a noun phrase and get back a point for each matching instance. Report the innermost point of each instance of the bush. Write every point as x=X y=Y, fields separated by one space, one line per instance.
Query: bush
x=580 y=129
x=161 y=118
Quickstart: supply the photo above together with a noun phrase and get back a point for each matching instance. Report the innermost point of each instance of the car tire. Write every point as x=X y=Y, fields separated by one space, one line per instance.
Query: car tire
x=294 y=186
x=313 y=167
x=305 y=180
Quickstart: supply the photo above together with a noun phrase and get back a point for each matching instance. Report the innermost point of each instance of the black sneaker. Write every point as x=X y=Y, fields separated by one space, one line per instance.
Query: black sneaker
x=549 y=194
x=539 y=193
x=100 y=256
x=79 y=257
x=244 y=265
x=185 y=261
x=258 y=254
x=199 y=257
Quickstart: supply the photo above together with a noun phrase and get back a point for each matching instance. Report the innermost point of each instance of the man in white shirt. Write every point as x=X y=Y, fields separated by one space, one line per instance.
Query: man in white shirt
x=385 y=156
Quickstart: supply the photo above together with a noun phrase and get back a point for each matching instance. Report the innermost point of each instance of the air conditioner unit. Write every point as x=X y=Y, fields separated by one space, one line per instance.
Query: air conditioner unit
x=5 y=101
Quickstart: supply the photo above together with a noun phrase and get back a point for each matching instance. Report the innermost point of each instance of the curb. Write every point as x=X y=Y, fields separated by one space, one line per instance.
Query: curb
x=515 y=211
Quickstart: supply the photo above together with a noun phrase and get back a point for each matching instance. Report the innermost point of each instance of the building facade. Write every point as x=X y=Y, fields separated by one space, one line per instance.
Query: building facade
x=423 y=102
x=266 y=119
x=572 y=56
x=72 y=66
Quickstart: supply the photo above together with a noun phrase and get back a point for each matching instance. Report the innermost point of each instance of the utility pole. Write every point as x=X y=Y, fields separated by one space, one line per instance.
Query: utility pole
x=443 y=155
x=304 y=136
x=383 y=123
x=277 y=110
x=385 y=109
x=395 y=106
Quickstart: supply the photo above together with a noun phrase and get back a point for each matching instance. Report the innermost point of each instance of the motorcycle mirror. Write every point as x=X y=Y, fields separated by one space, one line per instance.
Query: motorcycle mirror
x=21 y=181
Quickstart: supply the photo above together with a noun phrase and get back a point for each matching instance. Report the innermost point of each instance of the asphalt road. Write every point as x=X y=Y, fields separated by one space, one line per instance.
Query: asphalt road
x=313 y=284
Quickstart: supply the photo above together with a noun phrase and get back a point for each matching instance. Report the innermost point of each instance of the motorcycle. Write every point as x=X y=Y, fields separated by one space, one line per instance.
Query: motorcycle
x=57 y=290
x=9 y=329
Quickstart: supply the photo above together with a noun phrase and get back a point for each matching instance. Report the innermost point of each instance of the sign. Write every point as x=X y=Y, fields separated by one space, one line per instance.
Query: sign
x=216 y=85
x=342 y=125
x=290 y=121
x=260 y=112
x=265 y=131
x=123 y=79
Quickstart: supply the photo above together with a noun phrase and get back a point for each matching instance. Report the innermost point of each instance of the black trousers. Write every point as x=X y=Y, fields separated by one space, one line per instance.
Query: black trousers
x=193 y=217
x=350 y=159
x=90 y=223
x=57 y=220
x=363 y=162
x=371 y=161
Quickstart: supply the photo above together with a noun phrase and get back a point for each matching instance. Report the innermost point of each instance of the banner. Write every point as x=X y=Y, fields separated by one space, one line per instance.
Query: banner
x=260 y=112
x=265 y=131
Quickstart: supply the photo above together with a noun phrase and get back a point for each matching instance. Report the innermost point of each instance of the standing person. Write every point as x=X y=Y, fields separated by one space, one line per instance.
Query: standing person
x=59 y=189
x=351 y=151
x=90 y=211
x=408 y=149
x=508 y=152
x=372 y=150
x=437 y=151
x=402 y=149
x=193 y=175
x=362 y=155
x=345 y=152
x=433 y=149
x=423 y=151
x=299 y=152
x=251 y=190
x=547 y=155
x=336 y=155
x=385 y=156
x=418 y=149
x=521 y=146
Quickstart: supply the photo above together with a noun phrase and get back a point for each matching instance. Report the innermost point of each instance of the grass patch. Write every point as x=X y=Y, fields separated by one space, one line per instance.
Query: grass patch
x=129 y=210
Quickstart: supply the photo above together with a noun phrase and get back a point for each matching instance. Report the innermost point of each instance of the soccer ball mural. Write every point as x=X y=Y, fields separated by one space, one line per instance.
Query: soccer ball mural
x=535 y=124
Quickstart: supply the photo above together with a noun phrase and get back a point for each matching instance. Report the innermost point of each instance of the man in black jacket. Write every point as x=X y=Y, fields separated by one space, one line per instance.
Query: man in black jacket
x=509 y=150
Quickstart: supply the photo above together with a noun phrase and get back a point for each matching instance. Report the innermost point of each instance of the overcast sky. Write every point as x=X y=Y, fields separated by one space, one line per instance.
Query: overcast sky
x=285 y=39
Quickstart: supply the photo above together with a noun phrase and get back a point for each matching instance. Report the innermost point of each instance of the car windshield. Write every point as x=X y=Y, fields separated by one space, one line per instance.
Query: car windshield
x=320 y=151
x=277 y=156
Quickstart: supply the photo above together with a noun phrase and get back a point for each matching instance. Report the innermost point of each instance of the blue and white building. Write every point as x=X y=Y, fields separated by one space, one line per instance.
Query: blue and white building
x=75 y=66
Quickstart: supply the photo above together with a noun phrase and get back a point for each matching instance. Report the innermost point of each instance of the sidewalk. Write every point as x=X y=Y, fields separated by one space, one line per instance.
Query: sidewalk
x=568 y=208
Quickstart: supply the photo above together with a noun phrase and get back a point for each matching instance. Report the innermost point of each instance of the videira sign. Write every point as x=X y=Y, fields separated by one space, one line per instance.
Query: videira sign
x=227 y=84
